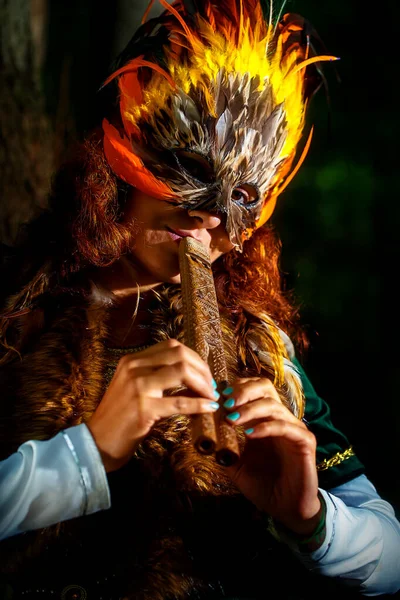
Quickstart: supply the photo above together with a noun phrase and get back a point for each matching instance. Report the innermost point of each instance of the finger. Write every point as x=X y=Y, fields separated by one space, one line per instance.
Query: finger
x=168 y=353
x=182 y=405
x=247 y=390
x=170 y=376
x=283 y=429
x=264 y=409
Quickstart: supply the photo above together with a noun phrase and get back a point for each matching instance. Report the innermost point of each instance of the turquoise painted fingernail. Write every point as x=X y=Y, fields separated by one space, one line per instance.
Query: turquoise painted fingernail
x=214 y=405
x=230 y=403
x=234 y=416
x=228 y=391
x=216 y=394
x=214 y=384
x=248 y=431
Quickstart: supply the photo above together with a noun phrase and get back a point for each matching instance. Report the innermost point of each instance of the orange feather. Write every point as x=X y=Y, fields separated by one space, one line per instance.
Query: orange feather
x=184 y=26
x=134 y=64
x=129 y=167
x=270 y=203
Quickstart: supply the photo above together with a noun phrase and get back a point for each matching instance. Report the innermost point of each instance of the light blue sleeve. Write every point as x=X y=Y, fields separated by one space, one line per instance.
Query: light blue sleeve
x=46 y=482
x=362 y=544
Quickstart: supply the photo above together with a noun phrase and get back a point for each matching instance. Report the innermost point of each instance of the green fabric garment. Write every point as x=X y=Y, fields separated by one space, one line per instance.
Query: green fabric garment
x=330 y=440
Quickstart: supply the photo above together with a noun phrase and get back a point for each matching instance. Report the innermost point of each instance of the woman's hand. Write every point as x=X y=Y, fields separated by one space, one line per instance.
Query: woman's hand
x=135 y=401
x=277 y=470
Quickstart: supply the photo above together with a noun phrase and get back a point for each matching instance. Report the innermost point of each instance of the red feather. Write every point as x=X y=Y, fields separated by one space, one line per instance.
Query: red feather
x=129 y=167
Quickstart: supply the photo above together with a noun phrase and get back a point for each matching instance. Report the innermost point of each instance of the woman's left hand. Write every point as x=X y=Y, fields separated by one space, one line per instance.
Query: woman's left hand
x=277 y=470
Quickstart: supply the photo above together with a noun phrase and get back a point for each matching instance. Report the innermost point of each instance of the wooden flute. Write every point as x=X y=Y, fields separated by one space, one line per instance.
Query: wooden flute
x=202 y=332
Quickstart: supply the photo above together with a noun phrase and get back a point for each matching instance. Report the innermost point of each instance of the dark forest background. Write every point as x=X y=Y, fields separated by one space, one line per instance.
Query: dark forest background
x=338 y=219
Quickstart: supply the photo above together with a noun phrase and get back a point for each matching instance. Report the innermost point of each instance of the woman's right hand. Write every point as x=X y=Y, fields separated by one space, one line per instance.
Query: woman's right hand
x=135 y=401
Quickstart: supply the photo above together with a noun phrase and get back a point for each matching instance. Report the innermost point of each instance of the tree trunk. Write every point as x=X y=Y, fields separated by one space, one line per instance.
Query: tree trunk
x=26 y=138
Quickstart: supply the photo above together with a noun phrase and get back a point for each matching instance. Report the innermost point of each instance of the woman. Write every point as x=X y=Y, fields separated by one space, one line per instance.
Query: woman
x=199 y=141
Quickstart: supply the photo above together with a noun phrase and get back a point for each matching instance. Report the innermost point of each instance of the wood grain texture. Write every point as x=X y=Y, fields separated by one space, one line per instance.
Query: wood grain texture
x=202 y=330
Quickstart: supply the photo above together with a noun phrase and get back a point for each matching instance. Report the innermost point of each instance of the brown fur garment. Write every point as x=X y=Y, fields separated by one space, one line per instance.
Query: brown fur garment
x=164 y=502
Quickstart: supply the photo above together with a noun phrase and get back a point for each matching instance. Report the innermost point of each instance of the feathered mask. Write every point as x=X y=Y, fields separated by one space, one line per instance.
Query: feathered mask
x=212 y=100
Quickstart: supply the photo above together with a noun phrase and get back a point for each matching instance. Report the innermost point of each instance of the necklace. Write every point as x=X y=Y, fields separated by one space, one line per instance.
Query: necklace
x=115 y=354
x=128 y=350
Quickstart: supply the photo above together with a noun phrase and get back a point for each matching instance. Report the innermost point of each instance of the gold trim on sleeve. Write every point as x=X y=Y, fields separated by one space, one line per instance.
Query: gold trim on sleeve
x=336 y=459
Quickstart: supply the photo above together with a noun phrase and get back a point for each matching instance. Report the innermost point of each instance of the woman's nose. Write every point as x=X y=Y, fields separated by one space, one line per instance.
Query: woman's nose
x=206 y=220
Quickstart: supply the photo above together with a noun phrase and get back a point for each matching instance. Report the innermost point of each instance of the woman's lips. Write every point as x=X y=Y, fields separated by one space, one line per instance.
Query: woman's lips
x=175 y=236
x=178 y=234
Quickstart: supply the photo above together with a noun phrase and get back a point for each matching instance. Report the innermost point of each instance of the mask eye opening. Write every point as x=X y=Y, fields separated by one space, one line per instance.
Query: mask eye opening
x=198 y=166
x=246 y=195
